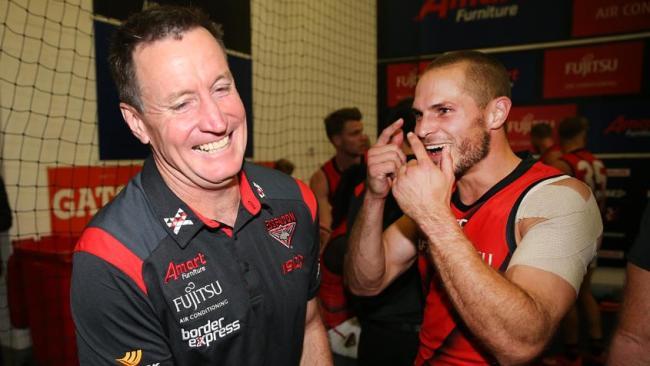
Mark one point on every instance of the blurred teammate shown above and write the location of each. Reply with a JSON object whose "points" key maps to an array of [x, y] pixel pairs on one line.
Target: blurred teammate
{"points": [[578, 162], [344, 129], [541, 138]]}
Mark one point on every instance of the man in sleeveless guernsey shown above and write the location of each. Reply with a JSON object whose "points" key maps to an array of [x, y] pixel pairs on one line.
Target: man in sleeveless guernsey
{"points": [[508, 241], [344, 129], [201, 259], [541, 139], [580, 163]]}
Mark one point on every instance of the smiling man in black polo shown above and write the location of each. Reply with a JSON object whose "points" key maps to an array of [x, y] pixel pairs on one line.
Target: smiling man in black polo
{"points": [[201, 259]]}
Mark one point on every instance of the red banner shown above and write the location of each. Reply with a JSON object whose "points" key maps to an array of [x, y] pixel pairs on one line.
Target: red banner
{"points": [[401, 80], [77, 193], [521, 119], [594, 17], [599, 70]]}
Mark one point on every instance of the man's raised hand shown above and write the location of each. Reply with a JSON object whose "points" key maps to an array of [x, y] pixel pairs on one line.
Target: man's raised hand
{"points": [[384, 160]]}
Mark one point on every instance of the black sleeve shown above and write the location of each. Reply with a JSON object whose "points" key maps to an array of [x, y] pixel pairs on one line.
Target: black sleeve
{"points": [[639, 254], [114, 319], [314, 260]]}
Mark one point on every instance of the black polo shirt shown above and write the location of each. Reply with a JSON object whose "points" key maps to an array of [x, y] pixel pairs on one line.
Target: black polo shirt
{"points": [[154, 283]]}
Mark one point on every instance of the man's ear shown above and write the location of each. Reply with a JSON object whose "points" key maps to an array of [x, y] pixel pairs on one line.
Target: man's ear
{"points": [[497, 112], [135, 122], [336, 140]]}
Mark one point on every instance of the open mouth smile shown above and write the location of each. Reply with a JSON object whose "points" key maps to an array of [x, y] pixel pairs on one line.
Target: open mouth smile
{"points": [[214, 146]]}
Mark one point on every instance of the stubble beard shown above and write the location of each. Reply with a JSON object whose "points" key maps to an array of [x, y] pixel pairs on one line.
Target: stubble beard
{"points": [[472, 149]]}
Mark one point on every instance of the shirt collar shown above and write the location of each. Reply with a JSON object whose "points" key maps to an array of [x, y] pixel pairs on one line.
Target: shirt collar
{"points": [[180, 221]]}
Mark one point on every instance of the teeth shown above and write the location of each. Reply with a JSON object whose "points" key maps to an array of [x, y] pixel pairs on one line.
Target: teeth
{"points": [[213, 146], [435, 147]]}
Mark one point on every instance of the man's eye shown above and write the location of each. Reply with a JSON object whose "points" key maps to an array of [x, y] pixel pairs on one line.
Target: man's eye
{"points": [[444, 110], [222, 89], [180, 106]]}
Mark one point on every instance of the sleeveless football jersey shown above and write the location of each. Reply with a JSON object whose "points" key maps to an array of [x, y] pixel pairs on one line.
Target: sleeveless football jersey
{"points": [[489, 224]]}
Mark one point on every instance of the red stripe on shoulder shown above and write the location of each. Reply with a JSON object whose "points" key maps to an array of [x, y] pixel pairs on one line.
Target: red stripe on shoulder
{"points": [[103, 245], [309, 198]]}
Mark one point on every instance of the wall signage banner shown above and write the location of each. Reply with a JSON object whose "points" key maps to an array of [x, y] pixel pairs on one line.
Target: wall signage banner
{"points": [[596, 17], [522, 119], [618, 127], [77, 193], [598, 70], [411, 28], [524, 69], [627, 195], [401, 80]]}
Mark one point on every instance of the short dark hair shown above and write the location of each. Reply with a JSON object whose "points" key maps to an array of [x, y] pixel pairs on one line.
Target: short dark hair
{"points": [[571, 127], [485, 77], [541, 131], [145, 27], [335, 121]]}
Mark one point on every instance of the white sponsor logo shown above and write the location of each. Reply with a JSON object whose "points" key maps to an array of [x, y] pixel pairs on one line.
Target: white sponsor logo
{"points": [[208, 333], [195, 296], [589, 64]]}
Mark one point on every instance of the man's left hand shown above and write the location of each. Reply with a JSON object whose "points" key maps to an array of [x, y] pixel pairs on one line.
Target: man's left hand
{"points": [[422, 187]]}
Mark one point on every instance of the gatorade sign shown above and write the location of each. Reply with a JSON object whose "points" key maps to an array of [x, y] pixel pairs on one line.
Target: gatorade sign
{"points": [[77, 193]]}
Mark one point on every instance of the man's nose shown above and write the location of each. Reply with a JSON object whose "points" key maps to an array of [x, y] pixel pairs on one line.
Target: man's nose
{"points": [[426, 125], [212, 118]]}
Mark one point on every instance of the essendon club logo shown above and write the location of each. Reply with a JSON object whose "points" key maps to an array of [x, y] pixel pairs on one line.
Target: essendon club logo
{"points": [[281, 228]]}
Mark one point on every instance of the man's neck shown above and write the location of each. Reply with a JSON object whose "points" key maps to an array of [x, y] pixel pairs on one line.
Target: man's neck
{"points": [[344, 161], [219, 203], [486, 174]]}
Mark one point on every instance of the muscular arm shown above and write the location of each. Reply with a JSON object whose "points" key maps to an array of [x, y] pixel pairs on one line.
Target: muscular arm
{"points": [[318, 184], [315, 350], [631, 340], [513, 315], [373, 260]]}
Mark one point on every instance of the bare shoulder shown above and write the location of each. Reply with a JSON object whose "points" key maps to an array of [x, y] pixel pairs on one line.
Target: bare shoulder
{"points": [[318, 182]]}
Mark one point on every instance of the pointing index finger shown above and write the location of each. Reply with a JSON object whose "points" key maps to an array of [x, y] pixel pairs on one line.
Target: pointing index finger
{"points": [[418, 148], [386, 135]]}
